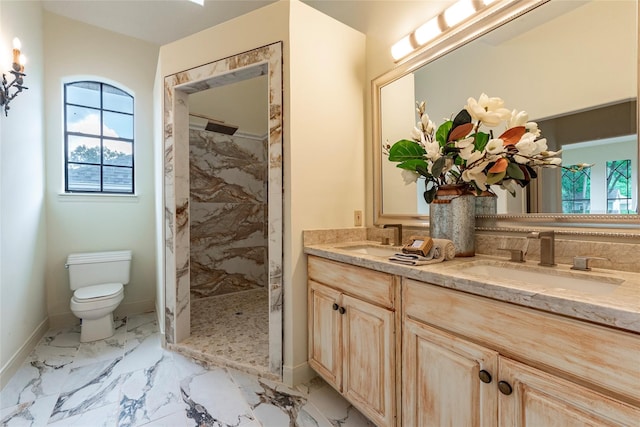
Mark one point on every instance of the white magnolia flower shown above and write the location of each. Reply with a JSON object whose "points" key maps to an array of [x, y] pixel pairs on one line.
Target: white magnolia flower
{"points": [[533, 128], [529, 147], [433, 150], [427, 125], [495, 146], [477, 175], [517, 119], [464, 143], [409, 177], [416, 134], [489, 111]]}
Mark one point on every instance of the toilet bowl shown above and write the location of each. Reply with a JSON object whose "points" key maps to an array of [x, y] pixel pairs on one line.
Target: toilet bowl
{"points": [[98, 280], [95, 305]]}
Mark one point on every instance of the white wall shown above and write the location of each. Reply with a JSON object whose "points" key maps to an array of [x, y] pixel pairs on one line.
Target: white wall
{"points": [[97, 223], [324, 160], [324, 83], [23, 310]]}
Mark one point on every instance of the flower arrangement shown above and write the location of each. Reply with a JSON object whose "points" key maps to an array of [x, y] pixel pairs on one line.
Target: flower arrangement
{"points": [[462, 151]]}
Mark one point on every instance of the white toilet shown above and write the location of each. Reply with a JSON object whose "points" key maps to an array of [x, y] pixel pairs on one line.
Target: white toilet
{"points": [[97, 279]]}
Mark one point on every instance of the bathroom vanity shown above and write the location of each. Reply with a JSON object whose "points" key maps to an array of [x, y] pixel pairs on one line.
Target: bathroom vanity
{"points": [[474, 342]]}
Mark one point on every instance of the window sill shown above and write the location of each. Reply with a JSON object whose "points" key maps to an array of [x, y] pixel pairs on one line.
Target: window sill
{"points": [[101, 198]]}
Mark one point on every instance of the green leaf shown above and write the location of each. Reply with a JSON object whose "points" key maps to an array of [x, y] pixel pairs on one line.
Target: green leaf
{"points": [[514, 171], [430, 194], [442, 133], [438, 165], [494, 178], [481, 140], [406, 150], [423, 170], [412, 164]]}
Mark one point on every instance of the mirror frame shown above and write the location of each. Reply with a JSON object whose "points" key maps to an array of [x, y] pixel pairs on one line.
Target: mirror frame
{"points": [[493, 16]]}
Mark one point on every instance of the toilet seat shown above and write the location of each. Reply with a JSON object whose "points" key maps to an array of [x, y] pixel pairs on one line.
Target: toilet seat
{"points": [[99, 292]]}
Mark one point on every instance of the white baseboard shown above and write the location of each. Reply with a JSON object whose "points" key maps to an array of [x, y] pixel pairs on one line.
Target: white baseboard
{"points": [[292, 376], [12, 366], [160, 317]]}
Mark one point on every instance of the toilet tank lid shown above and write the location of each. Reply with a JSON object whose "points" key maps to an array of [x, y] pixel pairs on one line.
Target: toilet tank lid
{"points": [[93, 257]]}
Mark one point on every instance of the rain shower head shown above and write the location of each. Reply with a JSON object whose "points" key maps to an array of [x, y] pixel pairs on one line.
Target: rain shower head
{"points": [[214, 125]]}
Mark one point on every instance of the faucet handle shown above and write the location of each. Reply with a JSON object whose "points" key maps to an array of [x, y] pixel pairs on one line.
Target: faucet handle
{"points": [[582, 262], [517, 255]]}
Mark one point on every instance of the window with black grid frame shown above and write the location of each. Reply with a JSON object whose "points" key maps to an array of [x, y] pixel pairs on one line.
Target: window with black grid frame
{"points": [[99, 138]]}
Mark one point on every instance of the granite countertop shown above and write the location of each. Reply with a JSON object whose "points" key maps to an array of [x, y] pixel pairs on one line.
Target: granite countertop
{"points": [[616, 304]]}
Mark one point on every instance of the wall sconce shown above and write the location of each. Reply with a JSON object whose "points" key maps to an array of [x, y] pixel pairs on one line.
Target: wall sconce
{"points": [[452, 16], [18, 73]]}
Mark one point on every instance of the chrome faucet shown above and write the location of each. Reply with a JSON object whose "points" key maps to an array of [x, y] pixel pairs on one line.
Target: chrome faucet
{"points": [[399, 236], [547, 247]]}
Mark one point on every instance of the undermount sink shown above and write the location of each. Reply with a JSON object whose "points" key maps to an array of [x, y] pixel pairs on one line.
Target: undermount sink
{"points": [[543, 277], [380, 251]]}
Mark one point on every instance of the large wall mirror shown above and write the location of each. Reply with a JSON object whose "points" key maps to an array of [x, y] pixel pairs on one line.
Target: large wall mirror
{"points": [[572, 65]]}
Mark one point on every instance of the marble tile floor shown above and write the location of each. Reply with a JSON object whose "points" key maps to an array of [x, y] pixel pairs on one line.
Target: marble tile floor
{"points": [[130, 380], [230, 330]]}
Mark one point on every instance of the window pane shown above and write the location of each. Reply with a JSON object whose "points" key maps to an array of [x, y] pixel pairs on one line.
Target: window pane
{"points": [[83, 177], [83, 120], [118, 153], [117, 100], [117, 179], [83, 149], [118, 125], [84, 93]]}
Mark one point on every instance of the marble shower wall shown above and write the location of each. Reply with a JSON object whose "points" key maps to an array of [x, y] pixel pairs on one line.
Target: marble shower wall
{"points": [[228, 202]]}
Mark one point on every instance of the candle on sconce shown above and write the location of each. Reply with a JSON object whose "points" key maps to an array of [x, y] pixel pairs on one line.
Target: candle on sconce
{"points": [[16, 50], [22, 60]]}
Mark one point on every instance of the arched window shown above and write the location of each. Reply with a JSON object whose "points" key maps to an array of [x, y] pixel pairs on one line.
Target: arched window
{"points": [[98, 138]]}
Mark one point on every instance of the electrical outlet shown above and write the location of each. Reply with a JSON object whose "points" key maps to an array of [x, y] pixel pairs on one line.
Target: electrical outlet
{"points": [[357, 218]]}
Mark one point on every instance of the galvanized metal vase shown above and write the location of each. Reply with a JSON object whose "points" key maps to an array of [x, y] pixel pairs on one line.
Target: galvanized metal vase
{"points": [[452, 216], [486, 203]]}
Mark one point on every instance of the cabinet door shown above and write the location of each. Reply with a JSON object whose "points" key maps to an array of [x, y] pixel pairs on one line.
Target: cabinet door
{"points": [[325, 330], [541, 399], [369, 359], [441, 380]]}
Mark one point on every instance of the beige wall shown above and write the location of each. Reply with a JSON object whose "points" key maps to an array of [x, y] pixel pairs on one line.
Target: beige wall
{"points": [[77, 223], [324, 81], [23, 310]]}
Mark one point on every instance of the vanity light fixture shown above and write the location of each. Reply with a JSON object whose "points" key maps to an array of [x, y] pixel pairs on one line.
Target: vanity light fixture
{"points": [[452, 16], [17, 69]]}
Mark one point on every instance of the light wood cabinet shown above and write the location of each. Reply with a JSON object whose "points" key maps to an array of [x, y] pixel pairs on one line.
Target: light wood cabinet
{"points": [[352, 335], [452, 342], [541, 399], [441, 383]]}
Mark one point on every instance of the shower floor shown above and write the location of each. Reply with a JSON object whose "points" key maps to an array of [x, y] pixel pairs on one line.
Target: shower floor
{"points": [[231, 330]]}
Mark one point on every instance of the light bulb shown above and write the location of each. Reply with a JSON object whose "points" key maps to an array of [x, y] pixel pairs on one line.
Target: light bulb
{"points": [[458, 12], [402, 48], [17, 44], [427, 31]]}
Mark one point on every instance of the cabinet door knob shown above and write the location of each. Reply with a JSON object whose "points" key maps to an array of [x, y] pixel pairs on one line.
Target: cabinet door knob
{"points": [[504, 388], [342, 310], [334, 306], [485, 376]]}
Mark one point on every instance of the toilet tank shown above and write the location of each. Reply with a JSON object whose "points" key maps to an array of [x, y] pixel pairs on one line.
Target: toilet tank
{"points": [[93, 268]]}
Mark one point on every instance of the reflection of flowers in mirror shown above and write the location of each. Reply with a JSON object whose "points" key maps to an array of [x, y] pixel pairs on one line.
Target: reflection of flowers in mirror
{"points": [[465, 151]]}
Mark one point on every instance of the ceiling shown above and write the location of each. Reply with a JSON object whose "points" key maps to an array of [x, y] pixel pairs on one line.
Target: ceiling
{"points": [[164, 21]]}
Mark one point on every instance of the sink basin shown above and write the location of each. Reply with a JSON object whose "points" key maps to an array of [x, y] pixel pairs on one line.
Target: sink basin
{"points": [[543, 277], [380, 251]]}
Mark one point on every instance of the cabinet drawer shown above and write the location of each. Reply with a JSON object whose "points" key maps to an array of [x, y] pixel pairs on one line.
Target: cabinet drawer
{"points": [[369, 285], [606, 358]]}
